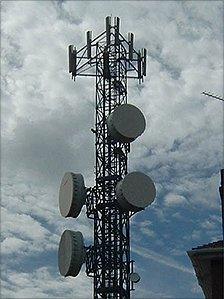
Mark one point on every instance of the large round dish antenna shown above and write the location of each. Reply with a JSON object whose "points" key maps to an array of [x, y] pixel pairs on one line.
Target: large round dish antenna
{"points": [[126, 123], [71, 253], [135, 192], [72, 194]]}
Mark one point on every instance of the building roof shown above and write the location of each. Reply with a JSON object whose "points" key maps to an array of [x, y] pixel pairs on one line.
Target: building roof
{"points": [[217, 244], [201, 258]]}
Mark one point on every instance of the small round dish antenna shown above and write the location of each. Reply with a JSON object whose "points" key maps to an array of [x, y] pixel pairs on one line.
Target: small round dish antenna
{"points": [[126, 123], [134, 277], [135, 192], [72, 194], [71, 253]]}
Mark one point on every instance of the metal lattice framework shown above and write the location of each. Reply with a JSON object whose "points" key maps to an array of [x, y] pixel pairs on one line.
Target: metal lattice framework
{"points": [[111, 59]]}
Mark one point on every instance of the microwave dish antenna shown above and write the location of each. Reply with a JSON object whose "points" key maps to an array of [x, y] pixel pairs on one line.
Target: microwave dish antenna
{"points": [[126, 123], [135, 192], [72, 194], [71, 253]]}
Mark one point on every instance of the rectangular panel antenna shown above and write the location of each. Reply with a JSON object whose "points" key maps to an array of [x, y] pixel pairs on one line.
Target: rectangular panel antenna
{"points": [[139, 65], [106, 68], [89, 40], [144, 54], [108, 26], [130, 42], [72, 59], [117, 26]]}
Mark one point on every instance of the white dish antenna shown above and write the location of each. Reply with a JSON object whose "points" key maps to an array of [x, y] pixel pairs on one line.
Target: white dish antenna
{"points": [[135, 192], [71, 253], [72, 194], [126, 123]]}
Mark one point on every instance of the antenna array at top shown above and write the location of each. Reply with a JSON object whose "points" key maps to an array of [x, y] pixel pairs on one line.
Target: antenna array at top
{"points": [[82, 62]]}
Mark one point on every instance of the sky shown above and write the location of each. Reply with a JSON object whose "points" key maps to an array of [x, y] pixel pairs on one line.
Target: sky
{"points": [[45, 132]]}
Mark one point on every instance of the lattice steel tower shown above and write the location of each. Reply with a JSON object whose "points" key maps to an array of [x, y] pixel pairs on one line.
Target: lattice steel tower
{"points": [[117, 195]]}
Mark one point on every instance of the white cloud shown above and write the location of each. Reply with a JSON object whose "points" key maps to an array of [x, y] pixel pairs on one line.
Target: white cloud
{"points": [[174, 200], [177, 252], [208, 225], [195, 235], [23, 225], [42, 282], [164, 260], [145, 228], [12, 245], [22, 235]]}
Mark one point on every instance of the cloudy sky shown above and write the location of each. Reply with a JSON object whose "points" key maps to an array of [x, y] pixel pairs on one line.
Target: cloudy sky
{"points": [[46, 122]]}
